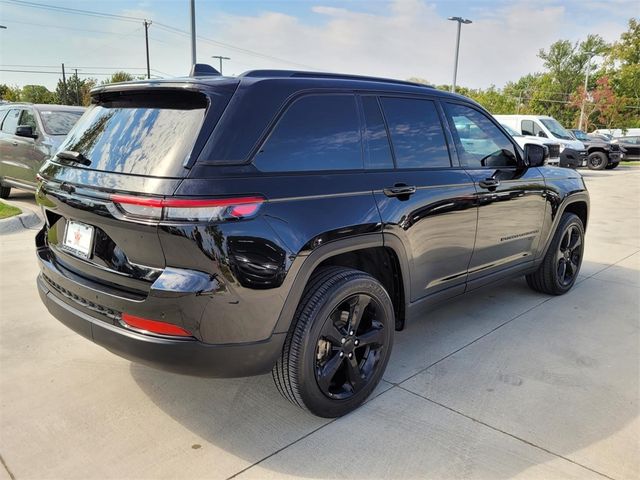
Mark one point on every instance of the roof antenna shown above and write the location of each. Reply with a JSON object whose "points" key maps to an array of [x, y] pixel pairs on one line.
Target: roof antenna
{"points": [[202, 69]]}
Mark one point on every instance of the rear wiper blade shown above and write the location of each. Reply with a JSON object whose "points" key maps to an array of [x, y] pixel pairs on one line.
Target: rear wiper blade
{"points": [[74, 157]]}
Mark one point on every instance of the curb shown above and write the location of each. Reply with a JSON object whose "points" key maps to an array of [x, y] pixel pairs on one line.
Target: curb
{"points": [[26, 220]]}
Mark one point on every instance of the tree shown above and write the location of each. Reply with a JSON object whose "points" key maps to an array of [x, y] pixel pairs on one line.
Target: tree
{"points": [[603, 108], [10, 94], [119, 77], [37, 94], [76, 91]]}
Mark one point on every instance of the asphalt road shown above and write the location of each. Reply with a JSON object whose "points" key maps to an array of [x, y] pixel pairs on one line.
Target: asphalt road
{"points": [[503, 383]]}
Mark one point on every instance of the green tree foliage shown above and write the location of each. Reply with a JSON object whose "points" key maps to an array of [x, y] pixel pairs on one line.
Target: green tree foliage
{"points": [[9, 93], [76, 91], [37, 94], [119, 77]]}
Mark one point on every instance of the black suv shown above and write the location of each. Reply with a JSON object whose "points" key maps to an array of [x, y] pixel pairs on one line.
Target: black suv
{"points": [[290, 222], [602, 154]]}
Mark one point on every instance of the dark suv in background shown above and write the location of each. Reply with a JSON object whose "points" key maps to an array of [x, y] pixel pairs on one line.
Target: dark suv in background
{"points": [[29, 135], [602, 154], [290, 222]]}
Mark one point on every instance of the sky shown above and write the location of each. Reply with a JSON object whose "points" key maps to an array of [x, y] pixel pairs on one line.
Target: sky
{"points": [[395, 39]]}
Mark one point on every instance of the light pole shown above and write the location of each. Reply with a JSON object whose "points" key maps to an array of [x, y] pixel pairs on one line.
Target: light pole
{"points": [[221, 58], [460, 21], [192, 10], [586, 82]]}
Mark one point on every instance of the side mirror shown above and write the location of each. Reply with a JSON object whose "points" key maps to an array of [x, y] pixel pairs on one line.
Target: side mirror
{"points": [[535, 155], [25, 131]]}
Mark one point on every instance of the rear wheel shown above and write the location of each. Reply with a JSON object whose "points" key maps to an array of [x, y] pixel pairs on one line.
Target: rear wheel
{"points": [[559, 269], [597, 161], [338, 349], [5, 191]]}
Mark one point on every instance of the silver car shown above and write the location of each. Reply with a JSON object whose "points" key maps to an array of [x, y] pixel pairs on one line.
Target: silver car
{"points": [[29, 135]]}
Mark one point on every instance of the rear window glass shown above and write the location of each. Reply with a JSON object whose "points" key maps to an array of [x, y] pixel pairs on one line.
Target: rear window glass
{"points": [[149, 134], [318, 132], [59, 122]]}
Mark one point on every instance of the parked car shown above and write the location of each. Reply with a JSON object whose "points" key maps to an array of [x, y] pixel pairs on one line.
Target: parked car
{"points": [[601, 153], [572, 152], [522, 140], [30, 134], [295, 232], [618, 132], [630, 147]]}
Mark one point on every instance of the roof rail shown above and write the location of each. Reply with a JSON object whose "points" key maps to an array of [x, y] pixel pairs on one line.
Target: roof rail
{"points": [[337, 76]]}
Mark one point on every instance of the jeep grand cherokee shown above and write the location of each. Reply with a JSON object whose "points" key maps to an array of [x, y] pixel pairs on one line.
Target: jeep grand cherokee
{"points": [[291, 222]]}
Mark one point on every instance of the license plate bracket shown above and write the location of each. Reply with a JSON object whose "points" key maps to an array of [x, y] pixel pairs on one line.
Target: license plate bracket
{"points": [[78, 238]]}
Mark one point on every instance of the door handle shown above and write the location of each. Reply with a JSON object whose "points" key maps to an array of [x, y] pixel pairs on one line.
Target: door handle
{"points": [[489, 183], [399, 190]]}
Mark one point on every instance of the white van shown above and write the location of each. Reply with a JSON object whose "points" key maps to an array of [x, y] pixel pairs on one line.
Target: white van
{"points": [[572, 152], [522, 140]]}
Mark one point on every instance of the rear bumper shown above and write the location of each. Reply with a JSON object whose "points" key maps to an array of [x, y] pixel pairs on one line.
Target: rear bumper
{"points": [[190, 357]]}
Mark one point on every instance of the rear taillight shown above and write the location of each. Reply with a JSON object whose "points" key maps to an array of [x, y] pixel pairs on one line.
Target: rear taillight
{"points": [[154, 326], [188, 209]]}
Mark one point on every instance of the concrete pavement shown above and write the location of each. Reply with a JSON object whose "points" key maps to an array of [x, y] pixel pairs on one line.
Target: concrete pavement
{"points": [[504, 383]]}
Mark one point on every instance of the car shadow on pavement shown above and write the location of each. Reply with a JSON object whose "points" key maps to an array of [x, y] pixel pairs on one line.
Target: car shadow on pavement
{"points": [[247, 417]]}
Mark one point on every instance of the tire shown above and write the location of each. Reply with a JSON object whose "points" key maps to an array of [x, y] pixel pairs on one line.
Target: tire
{"points": [[611, 166], [567, 247], [325, 367], [5, 191], [597, 161]]}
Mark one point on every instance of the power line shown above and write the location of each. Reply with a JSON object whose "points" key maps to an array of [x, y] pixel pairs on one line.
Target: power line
{"points": [[165, 26], [58, 72], [74, 66]]}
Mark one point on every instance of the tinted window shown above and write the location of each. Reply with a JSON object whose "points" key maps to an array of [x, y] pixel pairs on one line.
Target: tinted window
{"points": [[10, 122], [378, 149], [416, 133], [150, 134], [479, 141], [3, 113], [318, 132], [27, 118], [59, 122], [529, 127]]}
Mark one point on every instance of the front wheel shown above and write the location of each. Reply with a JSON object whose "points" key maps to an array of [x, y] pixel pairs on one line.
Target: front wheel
{"points": [[597, 161], [338, 348], [561, 264]]}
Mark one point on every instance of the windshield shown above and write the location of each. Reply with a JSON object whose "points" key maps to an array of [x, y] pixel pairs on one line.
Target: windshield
{"points": [[511, 131], [59, 122], [556, 129], [580, 135], [142, 134]]}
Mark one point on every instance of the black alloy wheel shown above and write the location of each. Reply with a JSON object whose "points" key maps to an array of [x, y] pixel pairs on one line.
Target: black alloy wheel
{"points": [[569, 255], [339, 344], [349, 349]]}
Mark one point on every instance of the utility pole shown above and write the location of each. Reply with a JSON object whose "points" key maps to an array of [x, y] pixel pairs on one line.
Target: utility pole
{"points": [[221, 58], [586, 82], [146, 42], [193, 32], [77, 88], [460, 21], [64, 85]]}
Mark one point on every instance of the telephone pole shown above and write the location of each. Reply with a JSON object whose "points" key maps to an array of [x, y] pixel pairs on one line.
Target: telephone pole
{"points": [[77, 88], [221, 58], [64, 86], [146, 42], [586, 86], [460, 21]]}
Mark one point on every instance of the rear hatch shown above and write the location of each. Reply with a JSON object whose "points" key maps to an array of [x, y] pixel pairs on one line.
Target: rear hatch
{"points": [[135, 139]]}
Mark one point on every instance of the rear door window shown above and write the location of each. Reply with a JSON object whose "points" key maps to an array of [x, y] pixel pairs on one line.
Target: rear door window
{"points": [[317, 132], [416, 133], [27, 118], [58, 122], [142, 134]]}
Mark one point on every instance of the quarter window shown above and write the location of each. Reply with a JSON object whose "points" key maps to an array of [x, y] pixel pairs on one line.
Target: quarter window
{"points": [[10, 123], [416, 133], [318, 132], [479, 141], [378, 149]]}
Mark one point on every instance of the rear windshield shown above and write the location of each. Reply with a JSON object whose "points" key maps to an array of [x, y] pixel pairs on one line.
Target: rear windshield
{"points": [[141, 134], [57, 122]]}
